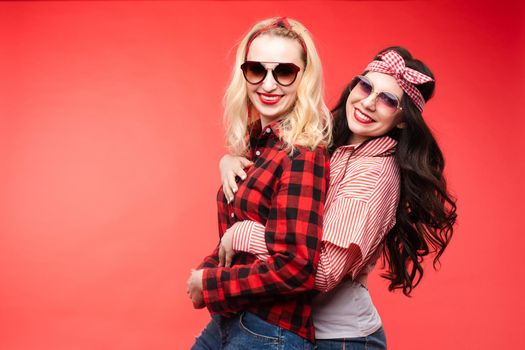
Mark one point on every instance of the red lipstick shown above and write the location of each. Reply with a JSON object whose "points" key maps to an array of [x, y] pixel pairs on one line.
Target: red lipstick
{"points": [[362, 119], [269, 99]]}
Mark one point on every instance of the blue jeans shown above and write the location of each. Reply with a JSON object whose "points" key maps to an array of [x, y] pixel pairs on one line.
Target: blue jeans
{"points": [[247, 331], [375, 341]]}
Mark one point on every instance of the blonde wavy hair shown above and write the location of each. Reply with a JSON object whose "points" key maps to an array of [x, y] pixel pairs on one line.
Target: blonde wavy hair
{"points": [[308, 124]]}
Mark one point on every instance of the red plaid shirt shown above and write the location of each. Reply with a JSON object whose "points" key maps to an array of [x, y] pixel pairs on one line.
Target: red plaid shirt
{"points": [[285, 192]]}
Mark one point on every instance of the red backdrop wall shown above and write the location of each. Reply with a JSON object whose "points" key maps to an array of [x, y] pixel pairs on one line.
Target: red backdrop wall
{"points": [[110, 133]]}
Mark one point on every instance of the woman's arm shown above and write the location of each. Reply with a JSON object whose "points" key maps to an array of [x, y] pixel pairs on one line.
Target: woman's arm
{"points": [[354, 226], [293, 230]]}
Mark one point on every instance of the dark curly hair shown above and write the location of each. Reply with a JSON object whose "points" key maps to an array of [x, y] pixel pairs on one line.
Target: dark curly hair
{"points": [[426, 212]]}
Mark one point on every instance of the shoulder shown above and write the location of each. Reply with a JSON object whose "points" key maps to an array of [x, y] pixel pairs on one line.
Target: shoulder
{"points": [[371, 167], [301, 155], [302, 152], [366, 175], [306, 164]]}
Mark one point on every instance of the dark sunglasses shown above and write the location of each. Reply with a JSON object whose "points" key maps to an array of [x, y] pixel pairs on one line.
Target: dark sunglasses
{"points": [[284, 73], [386, 101]]}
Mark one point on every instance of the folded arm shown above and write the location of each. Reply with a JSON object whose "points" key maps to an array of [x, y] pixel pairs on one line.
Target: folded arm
{"points": [[292, 233], [354, 227]]}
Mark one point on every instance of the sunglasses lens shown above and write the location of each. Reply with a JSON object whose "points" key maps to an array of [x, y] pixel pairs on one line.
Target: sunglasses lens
{"points": [[285, 73], [388, 102], [254, 72], [363, 87]]}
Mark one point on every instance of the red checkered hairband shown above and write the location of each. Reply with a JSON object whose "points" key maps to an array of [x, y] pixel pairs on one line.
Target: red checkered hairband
{"points": [[281, 22], [393, 64]]}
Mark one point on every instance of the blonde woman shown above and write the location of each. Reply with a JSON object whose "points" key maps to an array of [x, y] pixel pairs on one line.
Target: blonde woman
{"points": [[275, 117]]}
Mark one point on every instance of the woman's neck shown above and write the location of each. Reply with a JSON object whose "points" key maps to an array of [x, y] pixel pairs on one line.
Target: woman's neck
{"points": [[356, 139]]}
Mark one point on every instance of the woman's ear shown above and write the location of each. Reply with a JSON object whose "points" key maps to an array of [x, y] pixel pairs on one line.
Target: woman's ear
{"points": [[401, 125]]}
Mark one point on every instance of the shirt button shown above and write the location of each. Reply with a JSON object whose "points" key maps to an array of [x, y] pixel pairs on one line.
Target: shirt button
{"points": [[268, 130], [233, 215], [257, 153]]}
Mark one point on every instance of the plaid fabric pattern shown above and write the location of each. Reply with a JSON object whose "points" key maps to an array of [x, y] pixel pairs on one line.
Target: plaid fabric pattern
{"points": [[285, 192], [393, 64], [360, 210]]}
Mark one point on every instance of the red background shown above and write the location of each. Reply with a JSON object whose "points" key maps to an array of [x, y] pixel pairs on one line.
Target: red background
{"points": [[110, 134]]}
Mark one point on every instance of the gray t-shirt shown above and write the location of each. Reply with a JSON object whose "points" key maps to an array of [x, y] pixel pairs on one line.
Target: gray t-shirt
{"points": [[346, 311]]}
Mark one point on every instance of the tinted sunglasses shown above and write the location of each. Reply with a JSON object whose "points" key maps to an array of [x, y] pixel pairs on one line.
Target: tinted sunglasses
{"points": [[284, 73], [386, 101]]}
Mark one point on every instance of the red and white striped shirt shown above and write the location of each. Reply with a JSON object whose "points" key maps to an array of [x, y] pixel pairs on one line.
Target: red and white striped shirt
{"points": [[360, 210]]}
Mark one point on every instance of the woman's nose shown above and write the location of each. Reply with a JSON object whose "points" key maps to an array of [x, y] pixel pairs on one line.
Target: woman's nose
{"points": [[369, 102], [269, 83]]}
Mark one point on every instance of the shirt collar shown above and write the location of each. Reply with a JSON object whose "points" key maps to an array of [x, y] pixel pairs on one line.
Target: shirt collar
{"points": [[380, 146], [256, 129]]}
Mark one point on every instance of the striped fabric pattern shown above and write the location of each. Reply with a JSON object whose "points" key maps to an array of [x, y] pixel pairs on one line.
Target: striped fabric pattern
{"points": [[359, 211]]}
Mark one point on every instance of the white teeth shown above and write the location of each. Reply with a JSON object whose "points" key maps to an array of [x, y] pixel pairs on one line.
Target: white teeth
{"points": [[269, 98], [362, 116]]}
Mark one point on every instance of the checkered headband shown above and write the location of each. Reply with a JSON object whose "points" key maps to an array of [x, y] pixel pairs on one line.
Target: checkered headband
{"points": [[393, 64], [281, 22]]}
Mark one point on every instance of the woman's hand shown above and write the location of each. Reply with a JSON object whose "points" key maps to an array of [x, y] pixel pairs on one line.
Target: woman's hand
{"points": [[195, 288], [226, 252], [230, 167]]}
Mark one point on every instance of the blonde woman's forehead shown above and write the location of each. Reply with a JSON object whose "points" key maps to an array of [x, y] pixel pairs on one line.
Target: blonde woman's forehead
{"points": [[270, 48]]}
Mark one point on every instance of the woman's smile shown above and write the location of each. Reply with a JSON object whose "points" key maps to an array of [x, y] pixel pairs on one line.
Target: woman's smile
{"points": [[362, 117], [269, 99]]}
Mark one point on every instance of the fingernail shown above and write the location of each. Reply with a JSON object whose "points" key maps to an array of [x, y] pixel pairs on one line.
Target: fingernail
{"points": [[243, 177]]}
